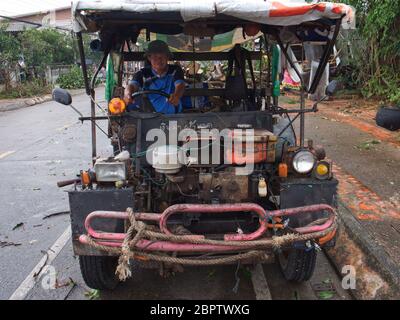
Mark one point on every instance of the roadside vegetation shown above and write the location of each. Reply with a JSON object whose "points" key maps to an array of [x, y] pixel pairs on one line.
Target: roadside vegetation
{"points": [[36, 87], [26, 56], [373, 58]]}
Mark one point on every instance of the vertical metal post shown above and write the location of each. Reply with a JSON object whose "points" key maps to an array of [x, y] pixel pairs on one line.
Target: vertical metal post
{"points": [[302, 116], [93, 105], [83, 62], [90, 92], [269, 85], [302, 107], [93, 116], [138, 145]]}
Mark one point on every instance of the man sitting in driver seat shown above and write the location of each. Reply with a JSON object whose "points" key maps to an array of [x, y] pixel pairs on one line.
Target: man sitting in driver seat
{"points": [[159, 76]]}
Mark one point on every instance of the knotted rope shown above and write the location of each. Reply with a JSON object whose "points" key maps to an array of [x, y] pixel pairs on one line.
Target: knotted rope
{"points": [[138, 230]]}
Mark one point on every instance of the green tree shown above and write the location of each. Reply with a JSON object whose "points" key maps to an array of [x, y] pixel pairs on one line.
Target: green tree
{"points": [[43, 47], [376, 44], [9, 53]]}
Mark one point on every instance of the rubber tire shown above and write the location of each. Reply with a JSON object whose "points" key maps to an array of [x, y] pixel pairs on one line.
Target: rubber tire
{"points": [[388, 118], [299, 264], [99, 272]]}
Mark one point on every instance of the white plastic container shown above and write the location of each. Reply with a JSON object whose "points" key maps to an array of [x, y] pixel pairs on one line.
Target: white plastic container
{"points": [[166, 159]]}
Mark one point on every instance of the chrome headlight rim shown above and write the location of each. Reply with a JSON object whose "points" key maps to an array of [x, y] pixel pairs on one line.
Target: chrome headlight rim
{"points": [[109, 171], [303, 161]]}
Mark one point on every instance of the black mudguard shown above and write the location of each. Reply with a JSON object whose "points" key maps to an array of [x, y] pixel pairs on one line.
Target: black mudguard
{"points": [[308, 191], [83, 202]]}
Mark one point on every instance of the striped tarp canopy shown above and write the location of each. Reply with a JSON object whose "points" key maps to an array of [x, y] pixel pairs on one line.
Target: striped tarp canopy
{"points": [[87, 14]]}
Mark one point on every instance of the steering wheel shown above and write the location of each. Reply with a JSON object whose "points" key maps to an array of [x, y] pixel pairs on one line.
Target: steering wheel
{"points": [[146, 92], [140, 93]]}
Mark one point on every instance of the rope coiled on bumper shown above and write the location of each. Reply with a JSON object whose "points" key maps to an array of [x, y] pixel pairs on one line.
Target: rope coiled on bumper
{"points": [[138, 230]]}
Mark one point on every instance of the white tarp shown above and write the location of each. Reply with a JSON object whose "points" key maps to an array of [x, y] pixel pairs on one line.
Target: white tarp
{"points": [[272, 12]]}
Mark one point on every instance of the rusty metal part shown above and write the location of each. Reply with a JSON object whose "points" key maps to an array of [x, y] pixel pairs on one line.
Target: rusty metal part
{"points": [[231, 188], [256, 148], [65, 183], [319, 152], [128, 133]]}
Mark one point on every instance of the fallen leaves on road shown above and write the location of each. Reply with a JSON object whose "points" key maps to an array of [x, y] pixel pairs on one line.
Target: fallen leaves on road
{"points": [[43, 265], [61, 284], [324, 290], [73, 285], [4, 244], [367, 145], [93, 294], [325, 295], [18, 225], [55, 214]]}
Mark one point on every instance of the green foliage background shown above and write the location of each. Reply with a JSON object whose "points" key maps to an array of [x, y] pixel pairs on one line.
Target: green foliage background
{"points": [[74, 78], [375, 64], [43, 47], [8, 53], [40, 48]]}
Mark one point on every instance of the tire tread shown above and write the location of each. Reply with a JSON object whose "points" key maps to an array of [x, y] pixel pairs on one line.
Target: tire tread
{"points": [[97, 272]]}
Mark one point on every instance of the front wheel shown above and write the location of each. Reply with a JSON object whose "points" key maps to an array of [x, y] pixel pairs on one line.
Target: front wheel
{"points": [[99, 272], [297, 264]]}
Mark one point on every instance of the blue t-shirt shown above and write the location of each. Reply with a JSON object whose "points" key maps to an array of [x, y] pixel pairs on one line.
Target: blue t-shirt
{"points": [[148, 79]]}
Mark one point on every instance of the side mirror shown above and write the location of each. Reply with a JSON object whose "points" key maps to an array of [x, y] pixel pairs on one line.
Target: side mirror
{"points": [[332, 87], [62, 96]]}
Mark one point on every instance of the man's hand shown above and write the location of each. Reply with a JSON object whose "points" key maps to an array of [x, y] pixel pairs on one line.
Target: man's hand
{"points": [[174, 99], [178, 94], [128, 99], [129, 90]]}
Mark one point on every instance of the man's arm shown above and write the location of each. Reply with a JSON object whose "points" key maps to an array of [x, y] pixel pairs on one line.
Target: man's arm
{"points": [[129, 90], [179, 81], [133, 85], [178, 93]]}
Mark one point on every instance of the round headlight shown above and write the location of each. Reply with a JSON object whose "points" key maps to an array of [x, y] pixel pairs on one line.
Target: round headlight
{"points": [[303, 161]]}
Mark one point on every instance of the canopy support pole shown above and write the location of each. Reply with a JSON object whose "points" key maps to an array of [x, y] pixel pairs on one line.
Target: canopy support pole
{"points": [[321, 67], [90, 92]]}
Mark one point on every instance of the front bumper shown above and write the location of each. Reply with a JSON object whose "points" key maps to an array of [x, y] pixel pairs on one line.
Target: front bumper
{"points": [[319, 230]]}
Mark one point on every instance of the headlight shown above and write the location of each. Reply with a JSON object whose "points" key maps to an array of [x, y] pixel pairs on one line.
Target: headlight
{"points": [[303, 161], [117, 106], [323, 170], [109, 171]]}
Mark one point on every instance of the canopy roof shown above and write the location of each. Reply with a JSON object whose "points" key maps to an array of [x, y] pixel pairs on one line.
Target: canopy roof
{"points": [[93, 15]]}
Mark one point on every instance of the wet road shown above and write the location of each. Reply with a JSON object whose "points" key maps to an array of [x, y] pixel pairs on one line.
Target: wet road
{"points": [[44, 144], [40, 145]]}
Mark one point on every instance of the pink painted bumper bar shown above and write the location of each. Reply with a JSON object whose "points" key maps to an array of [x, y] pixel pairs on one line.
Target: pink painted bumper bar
{"points": [[115, 239]]}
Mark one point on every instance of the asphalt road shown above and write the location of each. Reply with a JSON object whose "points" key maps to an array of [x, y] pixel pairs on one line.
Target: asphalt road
{"points": [[40, 145], [44, 144]]}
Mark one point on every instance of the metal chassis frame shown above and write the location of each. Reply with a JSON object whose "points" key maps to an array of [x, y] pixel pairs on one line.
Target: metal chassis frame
{"points": [[301, 112]]}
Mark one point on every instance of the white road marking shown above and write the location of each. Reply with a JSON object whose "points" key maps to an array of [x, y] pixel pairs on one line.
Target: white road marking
{"points": [[29, 282], [5, 154], [260, 284]]}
